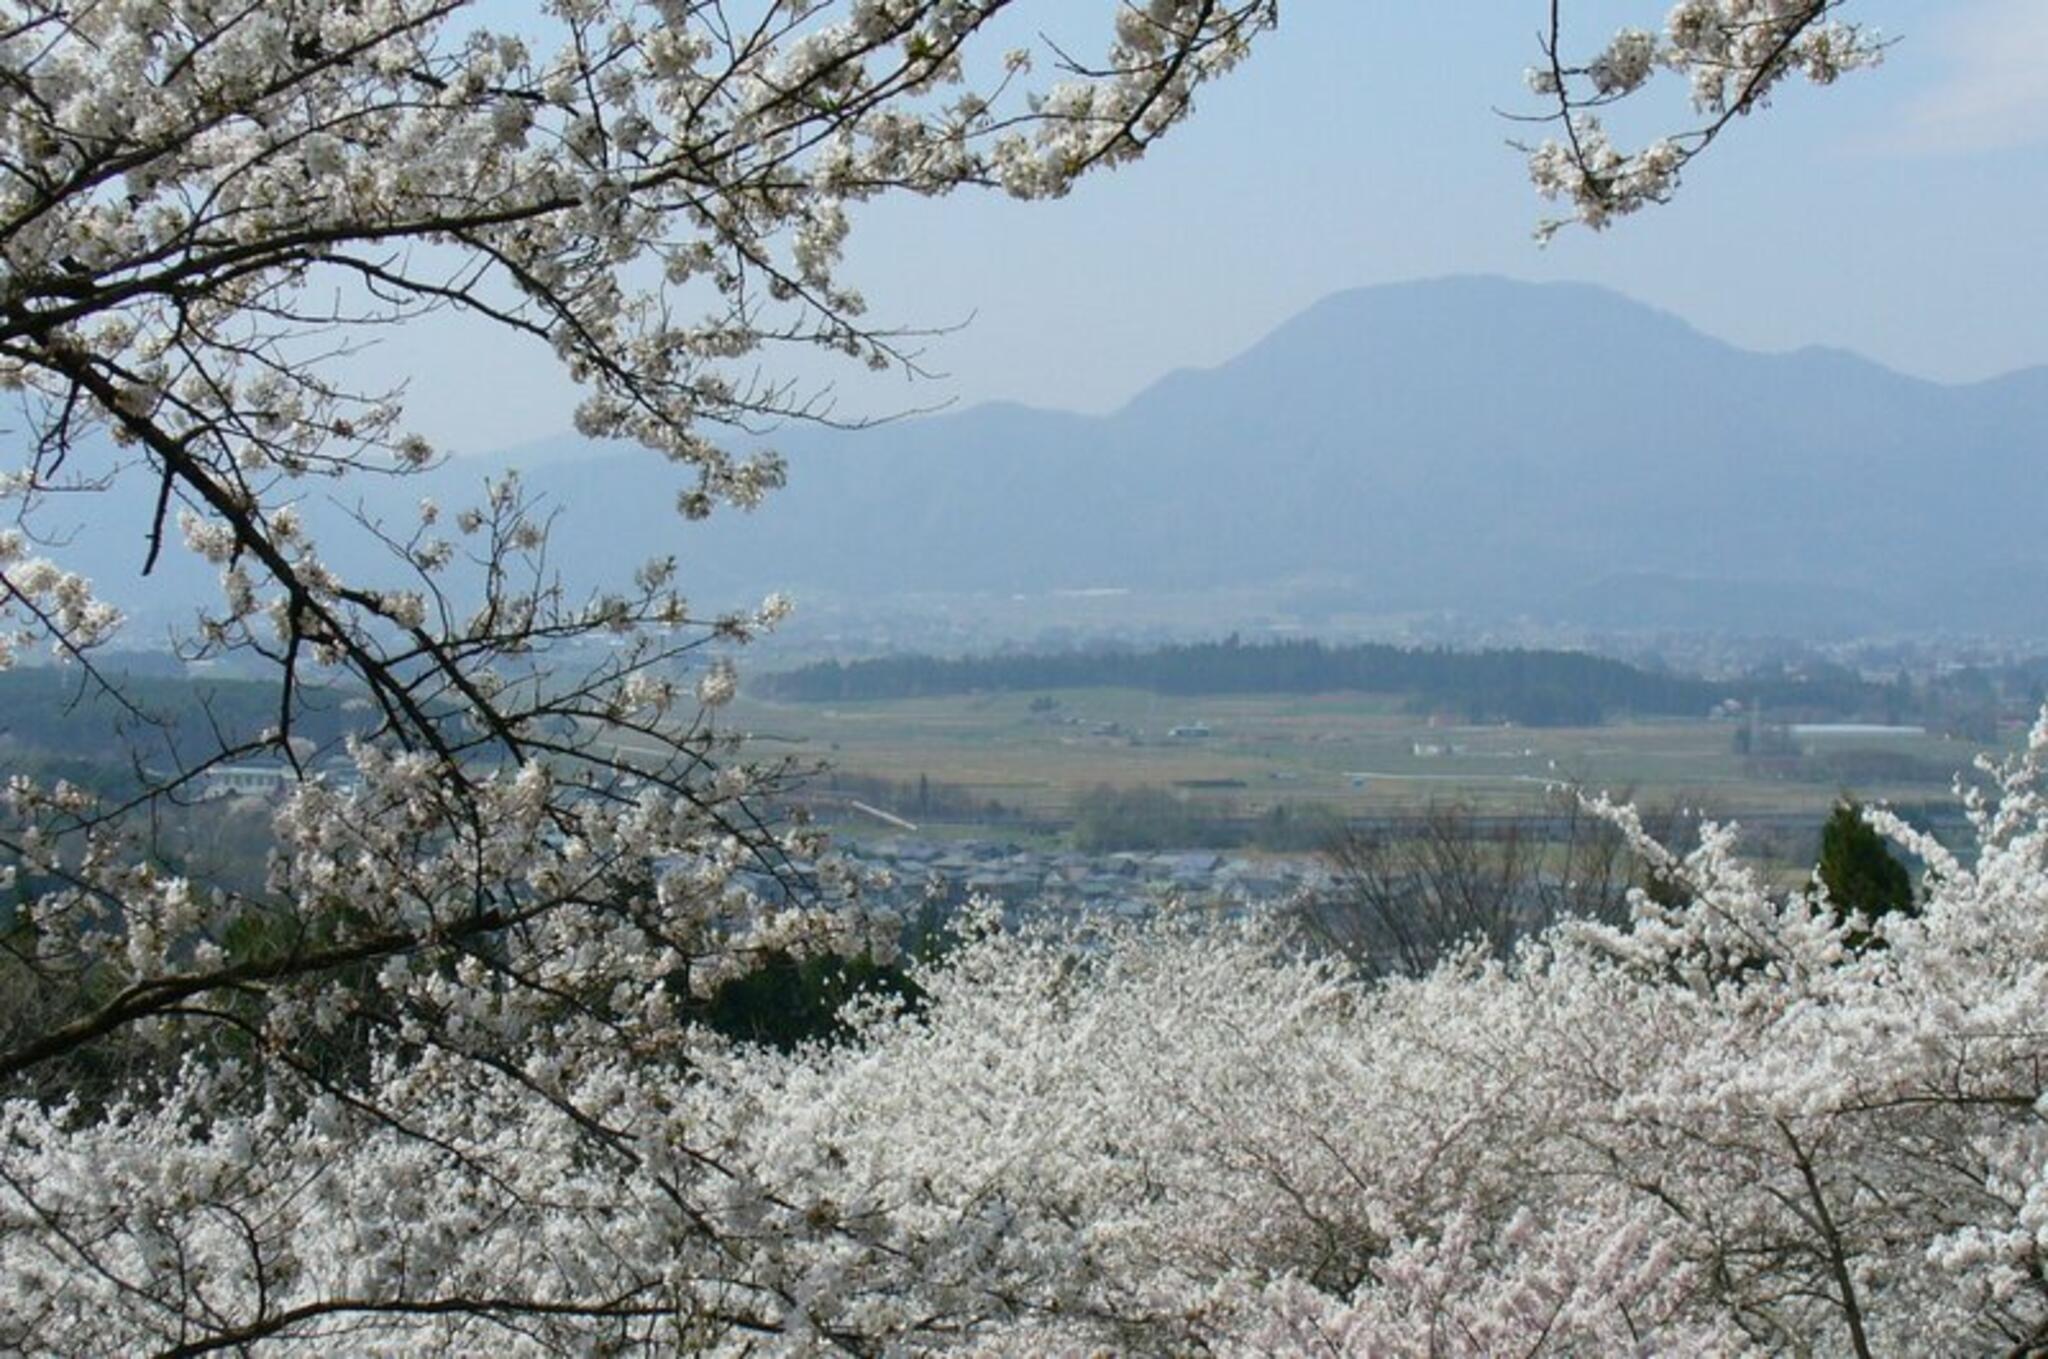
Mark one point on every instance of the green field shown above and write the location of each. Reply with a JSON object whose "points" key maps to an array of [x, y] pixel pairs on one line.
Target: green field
{"points": [[1355, 754]]}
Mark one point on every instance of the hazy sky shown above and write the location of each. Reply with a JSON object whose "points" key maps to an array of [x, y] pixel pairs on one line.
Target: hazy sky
{"points": [[1903, 214]]}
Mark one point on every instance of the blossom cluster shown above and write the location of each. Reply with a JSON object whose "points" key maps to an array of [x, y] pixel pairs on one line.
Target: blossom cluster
{"points": [[1738, 1124], [1733, 54], [40, 602]]}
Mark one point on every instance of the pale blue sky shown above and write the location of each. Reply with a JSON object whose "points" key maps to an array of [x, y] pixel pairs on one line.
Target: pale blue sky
{"points": [[1902, 214]]}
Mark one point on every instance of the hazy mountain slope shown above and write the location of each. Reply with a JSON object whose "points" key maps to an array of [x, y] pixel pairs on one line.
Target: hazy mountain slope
{"points": [[1473, 443], [1468, 442]]}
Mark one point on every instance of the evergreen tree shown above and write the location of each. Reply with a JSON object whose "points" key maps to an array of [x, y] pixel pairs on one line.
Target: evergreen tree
{"points": [[1858, 868]]}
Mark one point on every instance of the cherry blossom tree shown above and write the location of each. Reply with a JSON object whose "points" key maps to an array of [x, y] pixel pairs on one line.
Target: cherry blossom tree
{"points": [[208, 205], [1721, 1128], [529, 869], [434, 1085]]}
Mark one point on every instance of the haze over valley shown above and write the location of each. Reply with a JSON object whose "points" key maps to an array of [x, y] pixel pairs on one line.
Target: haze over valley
{"points": [[1470, 448]]}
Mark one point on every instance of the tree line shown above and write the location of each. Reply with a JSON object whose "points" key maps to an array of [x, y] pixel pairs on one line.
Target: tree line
{"points": [[1537, 688]]}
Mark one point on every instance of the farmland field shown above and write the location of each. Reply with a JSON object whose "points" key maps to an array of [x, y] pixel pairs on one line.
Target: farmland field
{"points": [[1353, 754]]}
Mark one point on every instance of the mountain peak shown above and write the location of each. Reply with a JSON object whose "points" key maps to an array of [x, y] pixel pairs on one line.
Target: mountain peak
{"points": [[1476, 443]]}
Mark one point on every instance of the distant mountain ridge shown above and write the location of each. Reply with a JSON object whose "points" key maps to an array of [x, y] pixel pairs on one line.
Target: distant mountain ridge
{"points": [[1554, 451]]}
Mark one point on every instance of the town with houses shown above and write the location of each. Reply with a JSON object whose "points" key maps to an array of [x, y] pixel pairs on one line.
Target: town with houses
{"points": [[911, 875]]}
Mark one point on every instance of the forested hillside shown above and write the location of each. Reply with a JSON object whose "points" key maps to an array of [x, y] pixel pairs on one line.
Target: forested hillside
{"points": [[55, 722]]}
